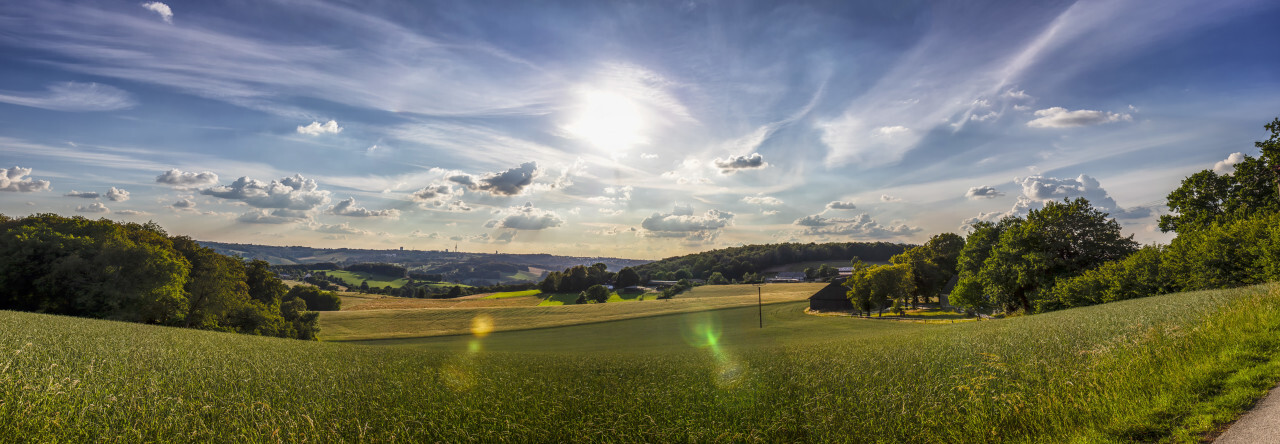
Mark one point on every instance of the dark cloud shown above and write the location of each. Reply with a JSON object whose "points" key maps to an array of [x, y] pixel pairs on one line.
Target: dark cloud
{"points": [[732, 164], [184, 204], [187, 179], [83, 194], [15, 180], [838, 205]]}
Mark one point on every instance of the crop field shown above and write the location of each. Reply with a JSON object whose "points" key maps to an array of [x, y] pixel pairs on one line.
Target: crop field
{"points": [[375, 280], [1167, 368], [409, 318]]}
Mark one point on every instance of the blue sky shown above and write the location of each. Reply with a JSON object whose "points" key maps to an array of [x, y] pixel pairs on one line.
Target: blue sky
{"points": [[630, 129]]}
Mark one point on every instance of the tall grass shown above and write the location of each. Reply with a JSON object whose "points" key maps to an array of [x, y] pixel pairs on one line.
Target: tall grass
{"points": [[1162, 368]]}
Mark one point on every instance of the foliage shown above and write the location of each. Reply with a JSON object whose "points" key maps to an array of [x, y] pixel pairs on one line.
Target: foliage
{"points": [[316, 299], [379, 268], [1061, 240], [736, 263], [596, 293], [137, 273], [1206, 197], [627, 277]]}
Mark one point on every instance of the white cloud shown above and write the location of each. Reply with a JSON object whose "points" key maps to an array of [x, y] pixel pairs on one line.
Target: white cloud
{"points": [[317, 128], [682, 223], [762, 200], [117, 195], [1227, 166], [862, 226], [648, 156], [1037, 190], [424, 235], [347, 207], [889, 199], [83, 194], [181, 179], [342, 228], [160, 8], [838, 205], [73, 96], [733, 164], [291, 193], [983, 192], [526, 217], [132, 213], [96, 207], [1059, 117], [265, 217], [689, 172], [15, 180]]}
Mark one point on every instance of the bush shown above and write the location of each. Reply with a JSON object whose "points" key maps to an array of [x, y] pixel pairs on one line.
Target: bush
{"points": [[316, 299]]}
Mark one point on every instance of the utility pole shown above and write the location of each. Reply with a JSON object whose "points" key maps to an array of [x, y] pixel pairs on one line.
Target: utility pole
{"points": [[760, 304]]}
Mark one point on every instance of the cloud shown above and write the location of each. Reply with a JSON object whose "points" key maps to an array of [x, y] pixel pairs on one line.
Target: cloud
{"points": [[889, 199], [292, 193], [73, 96], [526, 217], [132, 213], [1036, 190], [184, 204], [422, 235], [439, 197], [317, 128], [160, 8], [1059, 117], [838, 205], [181, 179], [348, 208], [762, 200], [648, 156], [83, 194], [506, 183], [983, 192], [342, 228], [689, 171], [861, 225], [96, 207], [1227, 166], [681, 222], [15, 180], [117, 195], [733, 164], [265, 217]]}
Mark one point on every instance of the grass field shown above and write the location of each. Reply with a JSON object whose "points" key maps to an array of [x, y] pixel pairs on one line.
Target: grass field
{"points": [[513, 294], [404, 321], [1166, 368]]}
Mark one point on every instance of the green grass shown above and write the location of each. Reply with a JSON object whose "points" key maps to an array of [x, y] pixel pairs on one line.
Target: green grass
{"points": [[513, 294], [1158, 369], [380, 281]]}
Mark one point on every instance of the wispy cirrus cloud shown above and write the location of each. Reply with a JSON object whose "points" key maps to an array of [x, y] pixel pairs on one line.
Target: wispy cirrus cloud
{"points": [[73, 96]]}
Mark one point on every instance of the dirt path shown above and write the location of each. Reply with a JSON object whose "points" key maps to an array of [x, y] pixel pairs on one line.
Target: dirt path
{"points": [[1259, 426]]}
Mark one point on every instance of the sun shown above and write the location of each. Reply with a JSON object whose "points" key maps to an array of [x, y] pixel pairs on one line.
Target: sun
{"points": [[608, 121]]}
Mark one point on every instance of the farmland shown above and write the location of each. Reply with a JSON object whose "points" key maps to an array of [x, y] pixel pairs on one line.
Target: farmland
{"points": [[1161, 368]]}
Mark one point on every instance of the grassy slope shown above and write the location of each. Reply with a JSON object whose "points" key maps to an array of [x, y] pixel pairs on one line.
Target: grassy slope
{"points": [[377, 324], [1151, 369]]}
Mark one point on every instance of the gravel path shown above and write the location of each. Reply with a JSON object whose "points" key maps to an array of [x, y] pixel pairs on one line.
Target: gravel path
{"points": [[1259, 426]]}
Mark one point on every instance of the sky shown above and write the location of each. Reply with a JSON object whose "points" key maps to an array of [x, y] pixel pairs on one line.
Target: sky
{"points": [[626, 129]]}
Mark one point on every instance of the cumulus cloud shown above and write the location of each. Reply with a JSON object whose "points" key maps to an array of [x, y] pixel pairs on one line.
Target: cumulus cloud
{"points": [[1059, 117], [290, 193], [15, 180], [165, 12], [117, 195], [762, 200], [1037, 190], [342, 228], [1227, 166], [838, 205], [424, 235], [682, 223], [506, 183], [83, 194], [73, 96], [96, 207], [182, 179], [347, 207], [862, 226], [317, 128], [983, 192], [265, 217], [184, 204], [526, 217], [889, 199], [733, 164]]}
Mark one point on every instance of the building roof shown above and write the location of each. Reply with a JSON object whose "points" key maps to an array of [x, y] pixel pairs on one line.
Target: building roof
{"points": [[835, 290]]}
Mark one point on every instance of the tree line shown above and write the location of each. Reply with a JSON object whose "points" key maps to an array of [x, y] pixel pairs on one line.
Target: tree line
{"points": [[138, 273], [747, 263], [1070, 254]]}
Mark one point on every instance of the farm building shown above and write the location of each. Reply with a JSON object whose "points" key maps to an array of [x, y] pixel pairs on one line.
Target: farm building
{"points": [[833, 297], [787, 277]]}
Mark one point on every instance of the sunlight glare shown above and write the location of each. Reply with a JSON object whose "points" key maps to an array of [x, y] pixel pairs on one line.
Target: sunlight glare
{"points": [[608, 121]]}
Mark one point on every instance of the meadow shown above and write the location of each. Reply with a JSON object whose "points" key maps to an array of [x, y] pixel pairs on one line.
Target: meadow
{"points": [[1163, 368]]}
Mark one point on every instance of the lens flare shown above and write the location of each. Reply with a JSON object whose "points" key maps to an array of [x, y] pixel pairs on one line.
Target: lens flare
{"points": [[481, 325], [704, 332]]}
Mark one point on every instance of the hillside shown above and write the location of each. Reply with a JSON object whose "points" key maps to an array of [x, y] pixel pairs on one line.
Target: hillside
{"points": [[735, 263], [1084, 374]]}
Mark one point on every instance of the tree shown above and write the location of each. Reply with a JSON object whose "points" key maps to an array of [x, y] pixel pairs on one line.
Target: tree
{"points": [[1063, 239], [551, 283], [317, 299], [926, 277], [454, 292], [596, 293], [683, 273], [717, 279], [627, 277], [364, 286], [1206, 197]]}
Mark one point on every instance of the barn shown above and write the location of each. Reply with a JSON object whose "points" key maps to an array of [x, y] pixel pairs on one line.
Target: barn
{"points": [[833, 297]]}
